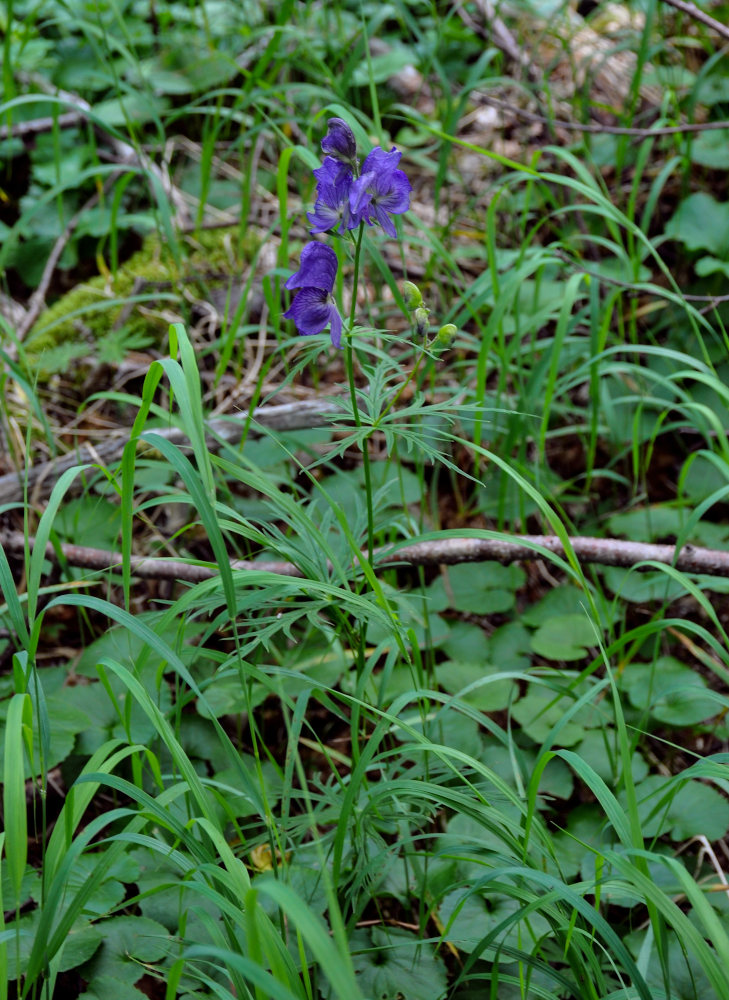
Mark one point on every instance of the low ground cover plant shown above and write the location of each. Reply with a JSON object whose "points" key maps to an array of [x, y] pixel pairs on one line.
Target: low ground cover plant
{"points": [[363, 501]]}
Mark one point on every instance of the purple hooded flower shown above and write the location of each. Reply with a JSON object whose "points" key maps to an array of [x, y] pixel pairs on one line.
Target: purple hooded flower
{"points": [[332, 210], [339, 142], [313, 308], [381, 189]]}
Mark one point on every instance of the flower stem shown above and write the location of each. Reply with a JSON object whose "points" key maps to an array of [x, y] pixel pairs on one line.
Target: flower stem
{"points": [[349, 356]]}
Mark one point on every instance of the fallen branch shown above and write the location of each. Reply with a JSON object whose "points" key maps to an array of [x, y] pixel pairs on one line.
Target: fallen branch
{"points": [[699, 15], [36, 126], [647, 132], [123, 152], [40, 479], [448, 551]]}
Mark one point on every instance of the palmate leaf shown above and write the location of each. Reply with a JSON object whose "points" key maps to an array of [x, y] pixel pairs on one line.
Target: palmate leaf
{"points": [[481, 588], [670, 690], [469, 916], [392, 964], [104, 987], [566, 637], [695, 809], [81, 942], [128, 944]]}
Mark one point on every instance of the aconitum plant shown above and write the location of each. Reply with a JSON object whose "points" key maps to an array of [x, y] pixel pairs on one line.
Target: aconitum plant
{"points": [[347, 198]]}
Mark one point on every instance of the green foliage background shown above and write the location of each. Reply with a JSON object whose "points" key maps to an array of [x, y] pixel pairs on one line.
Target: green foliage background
{"points": [[351, 779]]}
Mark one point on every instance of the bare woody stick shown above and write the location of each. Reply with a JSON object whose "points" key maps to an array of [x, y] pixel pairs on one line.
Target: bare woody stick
{"points": [[699, 15], [448, 551], [40, 479]]}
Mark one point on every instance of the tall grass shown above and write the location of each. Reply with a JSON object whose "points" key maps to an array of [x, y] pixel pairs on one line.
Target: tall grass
{"points": [[357, 782]]}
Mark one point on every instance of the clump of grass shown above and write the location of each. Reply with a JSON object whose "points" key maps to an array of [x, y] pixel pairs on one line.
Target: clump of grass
{"points": [[352, 781]]}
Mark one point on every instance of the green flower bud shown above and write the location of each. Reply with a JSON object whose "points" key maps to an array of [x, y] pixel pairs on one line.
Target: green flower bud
{"points": [[421, 319], [411, 294], [447, 333]]}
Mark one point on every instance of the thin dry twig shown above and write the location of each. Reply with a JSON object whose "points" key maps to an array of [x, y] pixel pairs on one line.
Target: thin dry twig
{"points": [[38, 298], [40, 479], [500, 35], [18, 130], [699, 15], [123, 152], [640, 133], [447, 551]]}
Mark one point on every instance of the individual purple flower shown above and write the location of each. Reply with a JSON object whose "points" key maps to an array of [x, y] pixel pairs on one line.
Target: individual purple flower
{"points": [[339, 142], [332, 209], [313, 308], [381, 191]]}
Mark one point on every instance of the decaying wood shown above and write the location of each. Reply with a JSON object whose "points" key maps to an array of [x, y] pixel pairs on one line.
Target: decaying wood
{"points": [[448, 551], [40, 479]]}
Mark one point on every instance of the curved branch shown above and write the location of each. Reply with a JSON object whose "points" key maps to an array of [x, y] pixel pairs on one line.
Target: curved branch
{"points": [[447, 551]]}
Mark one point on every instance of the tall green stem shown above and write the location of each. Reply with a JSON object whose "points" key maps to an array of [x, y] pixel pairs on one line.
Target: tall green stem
{"points": [[349, 355]]}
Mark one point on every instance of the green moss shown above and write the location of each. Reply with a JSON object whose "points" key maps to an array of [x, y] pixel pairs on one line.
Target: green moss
{"points": [[90, 310]]}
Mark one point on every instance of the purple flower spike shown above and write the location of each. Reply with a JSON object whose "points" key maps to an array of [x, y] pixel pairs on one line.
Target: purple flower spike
{"points": [[381, 191], [332, 211], [313, 308], [339, 141]]}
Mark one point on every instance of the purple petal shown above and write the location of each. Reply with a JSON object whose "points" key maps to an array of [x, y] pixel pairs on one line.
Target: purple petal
{"points": [[384, 220], [336, 330], [318, 268], [312, 312], [381, 191], [360, 194], [380, 161], [396, 198], [332, 205], [333, 177], [339, 141], [323, 219]]}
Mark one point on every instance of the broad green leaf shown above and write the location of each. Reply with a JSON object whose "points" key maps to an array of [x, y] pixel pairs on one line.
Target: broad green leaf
{"points": [[692, 810], [510, 647], [108, 987], [541, 709], [641, 587], [381, 67], [646, 524], [468, 916], [488, 696], [128, 943], [392, 964], [81, 942], [566, 637], [706, 266], [670, 690], [564, 600], [227, 696], [687, 978], [711, 149], [107, 895], [587, 831], [466, 642], [701, 223], [138, 107], [167, 896], [599, 751], [699, 809], [481, 588]]}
